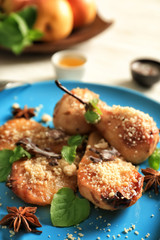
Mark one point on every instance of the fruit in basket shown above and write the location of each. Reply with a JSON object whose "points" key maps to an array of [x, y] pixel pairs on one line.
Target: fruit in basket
{"points": [[84, 12], [54, 18], [28, 21]]}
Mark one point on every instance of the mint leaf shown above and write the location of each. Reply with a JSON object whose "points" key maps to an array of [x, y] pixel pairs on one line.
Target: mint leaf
{"points": [[29, 15], [76, 140], [34, 34], [67, 209], [93, 112], [9, 33], [7, 157], [94, 103], [19, 153], [23, 28], [16, 30], [5, 165], [154, 159], [2, 16], [92, 117], [69, 153]]}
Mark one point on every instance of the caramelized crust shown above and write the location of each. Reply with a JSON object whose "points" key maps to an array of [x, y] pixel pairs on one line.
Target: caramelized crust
{"points": [[133, 133], [36, 181], [14, 130], [108, 184]]}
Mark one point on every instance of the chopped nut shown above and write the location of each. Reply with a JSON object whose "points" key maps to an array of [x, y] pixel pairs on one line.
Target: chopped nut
{"points": [[70, 170], [46, 118], [15, 106]]}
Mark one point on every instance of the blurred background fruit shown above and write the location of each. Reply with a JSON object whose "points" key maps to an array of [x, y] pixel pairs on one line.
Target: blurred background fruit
{"points": [[84, 12], [54, 17]]}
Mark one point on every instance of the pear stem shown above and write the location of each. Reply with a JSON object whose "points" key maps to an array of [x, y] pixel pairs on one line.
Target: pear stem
{"points": [[69, 92]]}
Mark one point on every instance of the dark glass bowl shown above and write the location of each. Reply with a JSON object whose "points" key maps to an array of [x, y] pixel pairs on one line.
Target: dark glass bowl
{"points": [[145, 72]]}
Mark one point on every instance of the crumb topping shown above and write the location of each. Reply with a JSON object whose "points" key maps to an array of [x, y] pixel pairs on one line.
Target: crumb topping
{"points": [[16, 129], [39, 170], [110, 176], [135, 127]]}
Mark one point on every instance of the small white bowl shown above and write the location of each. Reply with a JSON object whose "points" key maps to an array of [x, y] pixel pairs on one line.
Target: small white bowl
{"points": [[69, 65]]}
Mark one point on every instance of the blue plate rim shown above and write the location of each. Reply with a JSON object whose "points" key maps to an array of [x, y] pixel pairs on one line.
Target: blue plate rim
{"points": [[68, 82]]}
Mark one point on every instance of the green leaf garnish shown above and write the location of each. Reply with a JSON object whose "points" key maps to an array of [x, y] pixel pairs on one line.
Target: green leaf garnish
{"points": [[154, 159], [69, 152], [92, 117], [67, 209], [29, 14], [93, 112], [76, 140], [18, 153], [94, 103], [16, 29], [7, 157], [5, 165]]}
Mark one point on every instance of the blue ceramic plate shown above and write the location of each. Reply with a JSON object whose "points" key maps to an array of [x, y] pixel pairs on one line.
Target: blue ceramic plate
{"points": [[142, 220]]}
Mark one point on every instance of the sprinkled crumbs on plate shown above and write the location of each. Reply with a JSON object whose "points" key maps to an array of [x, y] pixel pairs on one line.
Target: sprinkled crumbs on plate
{"points": [[81, 234], [136, 232], [147, 235], [15, 105], [46, 118]]}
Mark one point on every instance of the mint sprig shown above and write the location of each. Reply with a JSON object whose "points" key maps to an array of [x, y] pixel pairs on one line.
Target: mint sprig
{"points": [[93, 113], [16, 31], [154, 159], [7, 157], [67, 209], [69, 152]]}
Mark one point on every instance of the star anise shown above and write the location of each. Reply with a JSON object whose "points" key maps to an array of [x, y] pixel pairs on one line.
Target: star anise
{"points": [[25, 112], [21, 217], [152, 179]]}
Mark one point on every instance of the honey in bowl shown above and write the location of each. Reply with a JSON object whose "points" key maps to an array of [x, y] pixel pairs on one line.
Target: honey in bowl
{"points": [[69, 65], [69, 61]]}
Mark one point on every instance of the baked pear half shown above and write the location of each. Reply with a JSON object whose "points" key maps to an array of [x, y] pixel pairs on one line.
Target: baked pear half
{"points": [[36, 180], [46, 138], [132, 132], [105, 179]]}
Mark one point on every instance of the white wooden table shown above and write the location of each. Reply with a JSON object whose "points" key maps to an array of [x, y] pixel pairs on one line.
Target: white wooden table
{"points": [[134, 34]]}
